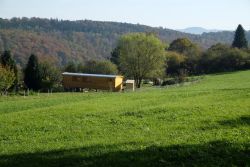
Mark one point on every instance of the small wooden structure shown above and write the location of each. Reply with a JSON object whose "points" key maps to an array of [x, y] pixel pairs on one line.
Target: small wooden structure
{"points": [[92, 81], [130, 85]]}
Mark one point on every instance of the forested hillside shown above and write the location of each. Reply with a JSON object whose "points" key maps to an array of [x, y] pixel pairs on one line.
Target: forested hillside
{"points": [[61, 41]]}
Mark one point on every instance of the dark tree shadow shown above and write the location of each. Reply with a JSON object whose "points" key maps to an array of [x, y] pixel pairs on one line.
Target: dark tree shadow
{"points": [[244, 120], [217, 153]]}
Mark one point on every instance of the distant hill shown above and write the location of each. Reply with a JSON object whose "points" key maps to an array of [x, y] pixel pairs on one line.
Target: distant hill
{"points": [[61, 41], [197, 30]]}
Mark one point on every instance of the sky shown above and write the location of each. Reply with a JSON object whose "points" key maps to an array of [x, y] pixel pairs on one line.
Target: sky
{"points": [[174, 14]]}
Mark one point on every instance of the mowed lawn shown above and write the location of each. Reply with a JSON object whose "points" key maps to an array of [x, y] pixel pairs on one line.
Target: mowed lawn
{"points": [[206, 123]]}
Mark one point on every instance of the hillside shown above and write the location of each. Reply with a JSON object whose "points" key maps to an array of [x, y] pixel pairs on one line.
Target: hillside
{"points": [[201, 124], [60, 41]]}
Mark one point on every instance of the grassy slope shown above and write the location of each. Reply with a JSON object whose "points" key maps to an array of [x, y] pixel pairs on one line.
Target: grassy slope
{"points": [[203, 124]]}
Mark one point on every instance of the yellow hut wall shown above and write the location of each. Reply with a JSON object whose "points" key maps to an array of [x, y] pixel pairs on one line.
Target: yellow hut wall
{"points": [[103, 83], [118, 83]]}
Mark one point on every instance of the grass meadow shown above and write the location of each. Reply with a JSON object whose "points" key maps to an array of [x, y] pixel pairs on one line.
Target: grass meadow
{"points": [[206, 123]]}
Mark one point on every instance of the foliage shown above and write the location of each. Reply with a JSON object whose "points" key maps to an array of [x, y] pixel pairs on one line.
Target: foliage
{"points": [[218, 58], [115, 55], [7, 61], [7, 78], [184, 46], [92, 67], [61, 41], [202, 124], [51, 76], [32, 74], [140, 55], [100, 67], [72, 67], [190, 50], [222, 58], [175, 63], [240, 40]]}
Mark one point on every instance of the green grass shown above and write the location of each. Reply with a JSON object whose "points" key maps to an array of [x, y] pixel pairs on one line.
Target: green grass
{"points": [[201, 124]]}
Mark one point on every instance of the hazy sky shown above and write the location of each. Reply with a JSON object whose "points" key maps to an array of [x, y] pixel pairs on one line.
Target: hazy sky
{"points": [[175, 14]]}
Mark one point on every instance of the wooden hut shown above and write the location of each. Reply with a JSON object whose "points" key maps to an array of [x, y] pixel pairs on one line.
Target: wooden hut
{"points": [[92, 81]]}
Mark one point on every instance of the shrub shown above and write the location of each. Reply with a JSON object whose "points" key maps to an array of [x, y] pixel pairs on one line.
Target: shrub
{"points": [[7, 78], [100, 67]]}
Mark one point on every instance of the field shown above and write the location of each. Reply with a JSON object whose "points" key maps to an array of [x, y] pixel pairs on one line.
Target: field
{"points": [[206, 123]]}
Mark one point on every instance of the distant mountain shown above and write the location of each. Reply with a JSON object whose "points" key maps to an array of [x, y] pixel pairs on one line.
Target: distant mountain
{"points": [[61, 41], [197, 30]]}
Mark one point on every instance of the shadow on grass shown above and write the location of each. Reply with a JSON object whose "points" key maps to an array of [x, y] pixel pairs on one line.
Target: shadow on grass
{"points": [[243, 120], [217, 153]]}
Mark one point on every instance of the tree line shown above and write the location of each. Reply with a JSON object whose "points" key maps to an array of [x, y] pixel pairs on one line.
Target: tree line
{"points": [[44, 76], [143, 56], [83, 39], [137, 55], [185, 56]]}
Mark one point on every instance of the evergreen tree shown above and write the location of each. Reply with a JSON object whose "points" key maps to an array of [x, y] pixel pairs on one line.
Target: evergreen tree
{"points": [[6, 59], [32, 74], [115, 55], [240, 38]]}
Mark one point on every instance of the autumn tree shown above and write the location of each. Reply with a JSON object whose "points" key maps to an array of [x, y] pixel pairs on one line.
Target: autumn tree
{"points": [[8, 62], [32, 74], [51, 76], [240, 40], [7, 78], [192, 52], [175, 63], [140, 55]]}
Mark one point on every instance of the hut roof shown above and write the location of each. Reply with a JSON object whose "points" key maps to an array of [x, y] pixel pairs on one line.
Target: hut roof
{"points": [[130, 81], [90, 75]]}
